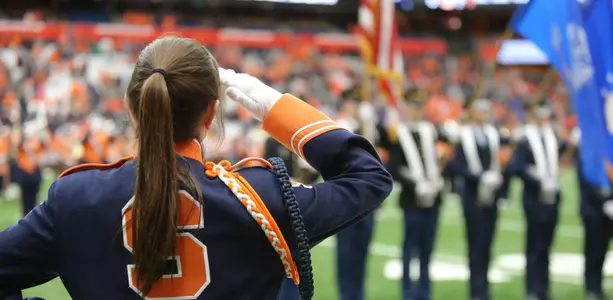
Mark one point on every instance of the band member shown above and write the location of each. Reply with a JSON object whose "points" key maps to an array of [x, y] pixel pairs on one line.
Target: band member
{"points": [[415, 163], [451, 132], [353, 242], [96, 142], [596, 211], [535, 162], [60, 153], [504, 156], [116, 148], [482, 185], [26, 170]]}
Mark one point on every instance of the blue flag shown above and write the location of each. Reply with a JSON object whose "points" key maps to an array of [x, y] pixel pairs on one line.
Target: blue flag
{"points": [[557, 28], [598, 24]]}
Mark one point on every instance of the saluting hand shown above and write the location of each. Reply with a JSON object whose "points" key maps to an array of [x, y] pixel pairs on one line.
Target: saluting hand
{"points": [[249, 92]]}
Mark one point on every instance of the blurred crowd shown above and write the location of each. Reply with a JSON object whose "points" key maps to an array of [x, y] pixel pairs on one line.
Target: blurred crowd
{"points": [[66, 90]]}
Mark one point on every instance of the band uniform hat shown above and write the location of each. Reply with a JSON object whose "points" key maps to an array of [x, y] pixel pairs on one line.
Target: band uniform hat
{"points": [[528, 106], [413, 96], [480, 104], [543, 109], [540, 108], [352, 94]]}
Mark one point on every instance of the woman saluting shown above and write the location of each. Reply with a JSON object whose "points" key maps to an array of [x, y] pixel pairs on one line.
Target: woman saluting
{"points": [[166, 223]]}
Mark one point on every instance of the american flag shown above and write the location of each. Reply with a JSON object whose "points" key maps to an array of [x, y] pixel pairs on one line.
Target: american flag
{"points": [[377, 34]]}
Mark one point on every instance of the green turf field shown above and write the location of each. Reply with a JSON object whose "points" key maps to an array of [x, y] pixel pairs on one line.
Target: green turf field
{"points": [[449, 269]]}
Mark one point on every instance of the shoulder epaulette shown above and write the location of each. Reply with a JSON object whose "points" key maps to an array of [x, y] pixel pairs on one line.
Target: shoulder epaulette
{"points": [[94, 166]]}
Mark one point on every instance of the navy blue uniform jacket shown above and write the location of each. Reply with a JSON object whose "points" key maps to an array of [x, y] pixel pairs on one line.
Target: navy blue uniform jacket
{"points": [[522, 160], [77, 233], [459, 166]]}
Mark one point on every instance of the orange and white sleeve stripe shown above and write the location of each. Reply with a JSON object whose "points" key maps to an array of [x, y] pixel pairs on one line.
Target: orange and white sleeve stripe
{"points": [[294, 123]]}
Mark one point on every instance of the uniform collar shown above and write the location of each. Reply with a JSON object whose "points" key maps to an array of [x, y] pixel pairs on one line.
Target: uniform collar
{"points": [[191, 149]]}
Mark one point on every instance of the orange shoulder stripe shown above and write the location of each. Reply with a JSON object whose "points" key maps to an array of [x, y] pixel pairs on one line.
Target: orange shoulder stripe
{"points": [[91, 166], [294, 123]]}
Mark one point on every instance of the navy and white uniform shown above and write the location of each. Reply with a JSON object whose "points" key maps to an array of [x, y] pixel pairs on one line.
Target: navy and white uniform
{"points": [[353, 242], [594, 209], [535, 162], [414, 163], [481, 183]]}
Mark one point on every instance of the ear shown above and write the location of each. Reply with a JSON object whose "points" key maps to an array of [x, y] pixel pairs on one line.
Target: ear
{"points": [[209, 115]]}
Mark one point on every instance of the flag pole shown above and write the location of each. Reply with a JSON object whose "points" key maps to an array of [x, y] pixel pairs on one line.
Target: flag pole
{"points": [[543, 86], [545, 83], [488, 72], [366, 89], [366, 55], [490, 66]]}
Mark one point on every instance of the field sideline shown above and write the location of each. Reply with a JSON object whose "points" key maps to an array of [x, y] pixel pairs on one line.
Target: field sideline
{"points": [[449, 269]]}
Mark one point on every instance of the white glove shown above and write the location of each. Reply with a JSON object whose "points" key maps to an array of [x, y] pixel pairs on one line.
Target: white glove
{"points": [[534, 172], [489, 183], [485, 194], [422, 189], [575, 136], [518, 134], [249, 92], [549, 185], [492, 179], [607, 208], [549, 190], [438, 184], [426, 193], [407, 174]]}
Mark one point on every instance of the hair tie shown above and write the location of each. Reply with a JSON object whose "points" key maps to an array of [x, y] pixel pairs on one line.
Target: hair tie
{"points": [[161, 71]]}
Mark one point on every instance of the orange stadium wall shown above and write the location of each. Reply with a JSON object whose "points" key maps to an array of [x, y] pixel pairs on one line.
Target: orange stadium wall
{"points": [[208, 36]]}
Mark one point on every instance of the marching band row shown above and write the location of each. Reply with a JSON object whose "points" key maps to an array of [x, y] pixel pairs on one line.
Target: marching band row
{"points": [[477, 161]]}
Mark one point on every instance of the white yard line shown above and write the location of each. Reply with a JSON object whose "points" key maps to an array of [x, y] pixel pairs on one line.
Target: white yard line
{"points": [[393, 252]]}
